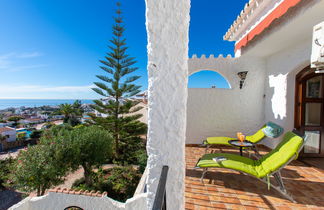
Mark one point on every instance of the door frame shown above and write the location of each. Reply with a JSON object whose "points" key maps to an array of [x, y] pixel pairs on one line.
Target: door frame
{"points": [[300, 104]]}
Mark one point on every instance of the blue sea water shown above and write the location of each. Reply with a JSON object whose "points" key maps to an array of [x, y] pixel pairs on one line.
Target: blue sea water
{"points": [[15, 103]]}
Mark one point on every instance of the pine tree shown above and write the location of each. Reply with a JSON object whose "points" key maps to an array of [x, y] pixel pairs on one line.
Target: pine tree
{"points": [[117, 86]]}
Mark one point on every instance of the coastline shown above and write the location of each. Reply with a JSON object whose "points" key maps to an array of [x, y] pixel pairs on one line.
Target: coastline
{"points": [[31, 103]]}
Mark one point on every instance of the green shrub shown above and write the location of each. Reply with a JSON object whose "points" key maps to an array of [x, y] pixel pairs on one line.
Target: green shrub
{"points": [[36, 134], [5, 172], [80, 184], [40, 167], [77, 183], [119, 182], [141, 160]]}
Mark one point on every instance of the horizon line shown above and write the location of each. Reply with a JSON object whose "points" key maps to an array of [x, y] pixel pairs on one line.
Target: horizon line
{"points": [[48, 98]]}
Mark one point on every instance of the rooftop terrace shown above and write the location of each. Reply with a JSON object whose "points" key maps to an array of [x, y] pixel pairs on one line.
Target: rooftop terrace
{"points": [[227, 189]]}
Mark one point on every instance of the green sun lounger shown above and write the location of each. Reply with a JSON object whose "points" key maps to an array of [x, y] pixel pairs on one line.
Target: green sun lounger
{"points": [[255, 138], [258, 136], [263, 168]]}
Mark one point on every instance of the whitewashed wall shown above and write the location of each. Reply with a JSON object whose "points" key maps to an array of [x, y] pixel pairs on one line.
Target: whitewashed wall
{"points": [[167, 24], [60, 201], [282, 68], [11, 134], [268, 94], [223, 112]]}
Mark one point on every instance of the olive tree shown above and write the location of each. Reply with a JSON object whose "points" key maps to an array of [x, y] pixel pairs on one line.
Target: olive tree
{"points": [[92, 146]]}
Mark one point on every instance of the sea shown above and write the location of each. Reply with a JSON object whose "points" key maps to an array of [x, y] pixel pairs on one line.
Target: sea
{"points": [[16, 103]]}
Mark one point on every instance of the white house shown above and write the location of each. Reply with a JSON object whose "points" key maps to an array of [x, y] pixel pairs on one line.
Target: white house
{"points": [[9, 133], [6, 124], [142, 103], [32, 120], [273, 44]]}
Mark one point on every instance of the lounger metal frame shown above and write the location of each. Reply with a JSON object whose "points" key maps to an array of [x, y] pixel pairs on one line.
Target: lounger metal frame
{"points": [[276, 174]]}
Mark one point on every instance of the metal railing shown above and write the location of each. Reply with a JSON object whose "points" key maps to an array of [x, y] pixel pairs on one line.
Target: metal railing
{"points": [[160, 196]]}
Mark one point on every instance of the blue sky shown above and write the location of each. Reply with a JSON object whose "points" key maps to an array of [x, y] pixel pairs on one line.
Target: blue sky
{"points": [[50, 49]]}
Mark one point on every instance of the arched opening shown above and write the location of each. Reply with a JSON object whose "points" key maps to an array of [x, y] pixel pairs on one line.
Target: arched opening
{"points": [[207, 79], [73, 208]]}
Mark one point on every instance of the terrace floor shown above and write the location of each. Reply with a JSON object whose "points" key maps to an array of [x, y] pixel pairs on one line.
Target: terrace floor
{"points": [[227, 189]]}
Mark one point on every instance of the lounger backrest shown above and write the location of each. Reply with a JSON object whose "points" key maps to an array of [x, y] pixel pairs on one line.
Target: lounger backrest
{"points": [[258, 136], [280, 156]]}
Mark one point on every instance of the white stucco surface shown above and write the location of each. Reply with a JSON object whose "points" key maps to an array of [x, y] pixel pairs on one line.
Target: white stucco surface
{"points": [[10, 134], [60, 201], [282, 69], [268, 94], [167, 24], [223, 112]]}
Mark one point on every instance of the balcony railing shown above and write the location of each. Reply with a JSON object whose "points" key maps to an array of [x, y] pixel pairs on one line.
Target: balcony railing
{"points": [[160, 196]]}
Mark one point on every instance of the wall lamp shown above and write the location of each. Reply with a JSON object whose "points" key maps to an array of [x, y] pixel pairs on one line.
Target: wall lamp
{"points": [[242, 76]]}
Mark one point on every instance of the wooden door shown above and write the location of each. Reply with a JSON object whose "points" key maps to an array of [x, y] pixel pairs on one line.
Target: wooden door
{"points": [[309, 109]]}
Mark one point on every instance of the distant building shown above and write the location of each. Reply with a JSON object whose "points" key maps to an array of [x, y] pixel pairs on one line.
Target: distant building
{"points": [[59, 117], [142, 103], [32, 121], [143, 96], [9, 133], [4, 124]]}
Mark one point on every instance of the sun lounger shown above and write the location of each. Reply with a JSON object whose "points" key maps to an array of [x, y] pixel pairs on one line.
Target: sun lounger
{"points": [[263, 168], [270, 129]]}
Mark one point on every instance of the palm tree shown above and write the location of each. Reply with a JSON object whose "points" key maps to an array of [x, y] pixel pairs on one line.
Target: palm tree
{"points": [[67, 111], [72, 112]]}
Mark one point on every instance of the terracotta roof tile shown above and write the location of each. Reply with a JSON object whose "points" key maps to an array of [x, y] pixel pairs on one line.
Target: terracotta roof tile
{"points": [[92, 193], [6, 129]]}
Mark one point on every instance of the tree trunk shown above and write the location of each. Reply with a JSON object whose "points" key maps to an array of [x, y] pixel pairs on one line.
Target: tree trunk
{"points": [[38, 191], [43, 190], [116, 146], [117, 128], [87, 174]]}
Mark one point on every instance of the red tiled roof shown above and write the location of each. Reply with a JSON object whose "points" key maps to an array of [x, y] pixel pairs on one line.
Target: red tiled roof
{"points": [[79, 192], [6, 129], [34, 119]]}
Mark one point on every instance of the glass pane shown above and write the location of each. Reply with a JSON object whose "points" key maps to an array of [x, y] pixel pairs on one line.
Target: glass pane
{"points": [[314, 87], [313, 142], [313, 114]]}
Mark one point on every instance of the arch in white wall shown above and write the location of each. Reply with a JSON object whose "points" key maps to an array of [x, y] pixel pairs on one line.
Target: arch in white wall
{"points": [[216, 74], [227, 67]]}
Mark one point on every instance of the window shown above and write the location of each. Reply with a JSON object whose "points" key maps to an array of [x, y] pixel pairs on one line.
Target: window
{"points": [[207, 79]]}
